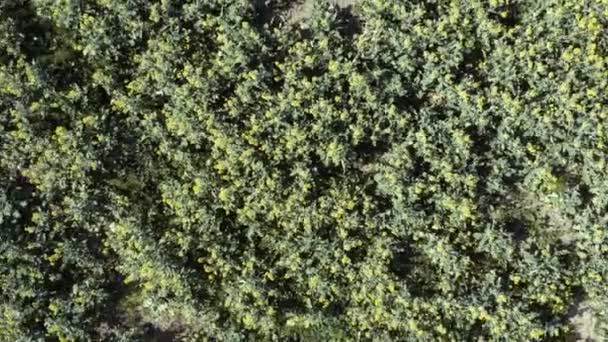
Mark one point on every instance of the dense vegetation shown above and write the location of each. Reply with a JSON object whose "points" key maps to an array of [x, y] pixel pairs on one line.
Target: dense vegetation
{"points": [[230, 170]]}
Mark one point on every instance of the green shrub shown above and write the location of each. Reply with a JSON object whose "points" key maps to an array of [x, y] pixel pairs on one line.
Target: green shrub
{"points": [[387, 170]]}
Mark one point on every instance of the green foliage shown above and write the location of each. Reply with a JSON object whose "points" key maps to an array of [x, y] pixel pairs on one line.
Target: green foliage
{"points": [[389, 170]]}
